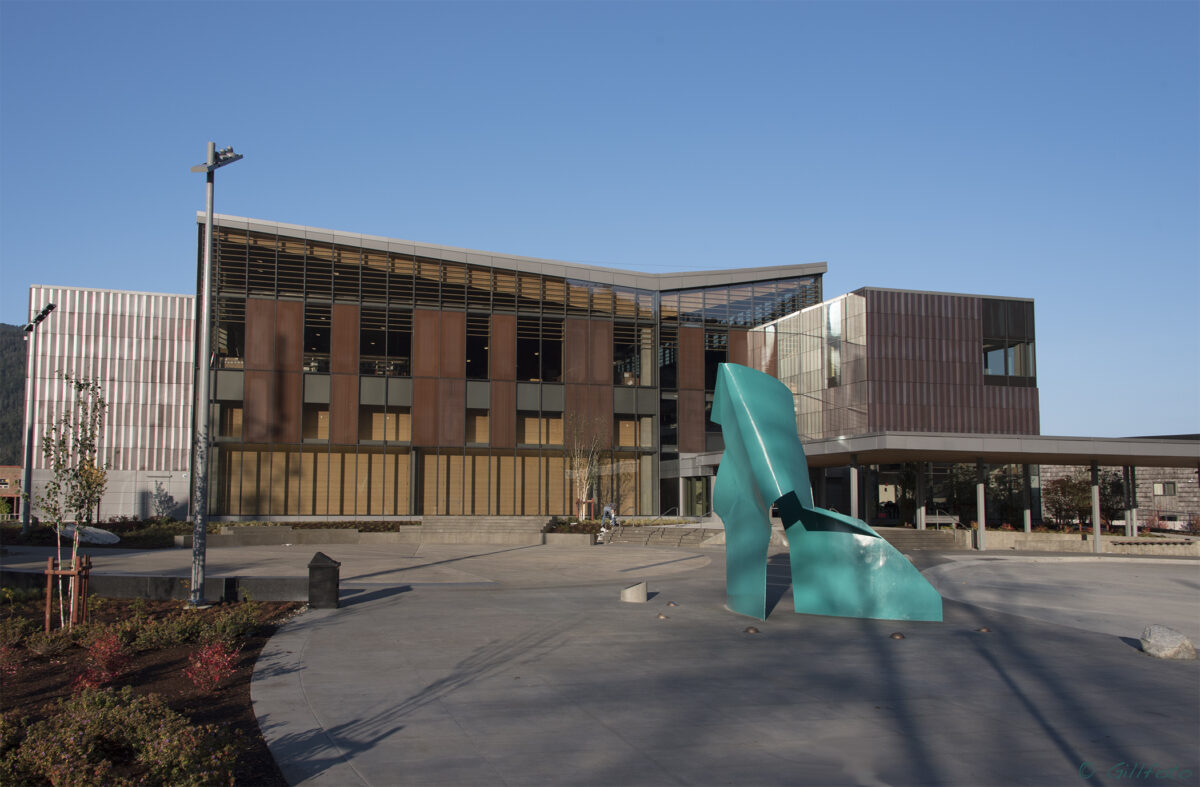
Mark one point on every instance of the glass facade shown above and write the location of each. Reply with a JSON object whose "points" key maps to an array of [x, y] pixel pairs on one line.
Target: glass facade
{"points": [[822, 359], [358, 382]]}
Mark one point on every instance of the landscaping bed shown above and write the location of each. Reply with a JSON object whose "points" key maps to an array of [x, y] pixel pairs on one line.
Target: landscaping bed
{"points": [[153, 692]]}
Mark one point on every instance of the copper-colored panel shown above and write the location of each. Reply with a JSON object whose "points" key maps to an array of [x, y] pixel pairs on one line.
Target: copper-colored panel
{"points": [[575, 347], [454, 346], [691, 421], [737, 346], [600, 363], [256, 406], [343, 342], [691, 360], [502, 342], [452, 412], [502, 417], [426, 344], [575, 401], [289, 407], [260, 334], [600, 412], [424, 412], [343, 408], [289, 335]]}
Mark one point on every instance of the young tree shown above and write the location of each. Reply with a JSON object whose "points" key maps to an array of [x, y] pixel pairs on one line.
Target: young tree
{"points": [[583, 438], [71, 450], [1067, 499], [1112, 496]]}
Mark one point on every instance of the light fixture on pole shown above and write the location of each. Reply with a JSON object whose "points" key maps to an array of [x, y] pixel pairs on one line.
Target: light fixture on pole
{"points": [[216, 159], [30, 408]]}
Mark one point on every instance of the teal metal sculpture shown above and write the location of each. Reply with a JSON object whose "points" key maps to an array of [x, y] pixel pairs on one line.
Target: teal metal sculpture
{"points": [[840, 566]]}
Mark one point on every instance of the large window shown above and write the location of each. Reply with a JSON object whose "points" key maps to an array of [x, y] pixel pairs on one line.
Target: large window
{"points": [[317, 335], [385, 343], [477, 346], [633, 348], [539, 349], [1008, 346]]}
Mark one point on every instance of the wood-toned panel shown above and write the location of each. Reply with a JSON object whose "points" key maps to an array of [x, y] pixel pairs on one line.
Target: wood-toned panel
{"points": [[343, 355], [452, 412], [575, 350], [691, 421], [258, 389], [424, 412], [426, 343], [600, 412], [289, 407], [343, 409], [454, 345], [289, 335], [502, 418], [502, 344], [691, 358], [600, 361], [575, 401], [260, 334], [738, 352]]}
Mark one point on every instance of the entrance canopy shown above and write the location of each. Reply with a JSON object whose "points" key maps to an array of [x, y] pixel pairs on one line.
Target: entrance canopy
{"points": [[898, 447]]}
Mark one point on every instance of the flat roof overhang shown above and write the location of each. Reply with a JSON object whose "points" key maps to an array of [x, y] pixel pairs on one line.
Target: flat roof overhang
{"points": [[899, 447]]}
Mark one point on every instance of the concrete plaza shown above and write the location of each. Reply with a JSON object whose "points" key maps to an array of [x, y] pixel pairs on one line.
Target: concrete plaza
{"points": [[495, 666]]}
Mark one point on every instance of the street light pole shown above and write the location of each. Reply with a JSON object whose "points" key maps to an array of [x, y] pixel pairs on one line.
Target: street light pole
{"points": [[30, 409], [215, 160]]}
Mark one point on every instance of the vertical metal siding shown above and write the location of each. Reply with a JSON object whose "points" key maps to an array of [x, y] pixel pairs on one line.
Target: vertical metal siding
{"points": [[139, 347]]}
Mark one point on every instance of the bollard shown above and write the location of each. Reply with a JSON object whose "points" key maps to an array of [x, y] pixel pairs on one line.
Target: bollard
{"points": [[635, 594], [323, 577]]}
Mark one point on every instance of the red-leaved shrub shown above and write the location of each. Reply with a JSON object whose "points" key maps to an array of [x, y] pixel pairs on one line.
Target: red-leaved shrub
{"points": [[107, 658], [212, 663]]}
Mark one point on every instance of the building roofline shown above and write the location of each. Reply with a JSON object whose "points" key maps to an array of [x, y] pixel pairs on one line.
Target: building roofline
{"points": [[937, 292], [571, 270], [112, 290]]}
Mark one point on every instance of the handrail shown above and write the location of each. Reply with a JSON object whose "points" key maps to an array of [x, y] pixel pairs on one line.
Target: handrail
{"points": [[956, 519], [617, 528]]}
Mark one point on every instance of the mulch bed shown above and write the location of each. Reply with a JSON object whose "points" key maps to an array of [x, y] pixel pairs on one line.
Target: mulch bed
{"points": [[39, 681]]}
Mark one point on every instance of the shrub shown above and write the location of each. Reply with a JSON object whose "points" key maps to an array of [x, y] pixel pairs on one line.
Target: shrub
{"points": [[212, 663], [117, 738], [13, 630], [233, 622], [10, 660], [55, 643], [178, 629], [106, 660]]}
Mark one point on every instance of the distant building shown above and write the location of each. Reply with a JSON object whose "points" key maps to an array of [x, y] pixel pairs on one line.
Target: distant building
{"points": [[10, 490], [139, 346]]}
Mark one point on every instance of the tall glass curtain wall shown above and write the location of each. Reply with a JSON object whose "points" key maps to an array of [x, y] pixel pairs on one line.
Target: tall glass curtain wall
{"points": [[356, 382], [822, 359]]}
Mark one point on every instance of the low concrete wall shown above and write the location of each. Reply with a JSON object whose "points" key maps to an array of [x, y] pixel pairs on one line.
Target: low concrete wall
{"points": [[283, 534], [570, 539], [158, 588], [1079, 542]]}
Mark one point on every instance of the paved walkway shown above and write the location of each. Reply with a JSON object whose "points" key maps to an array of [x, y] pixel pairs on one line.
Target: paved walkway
{"points": [[522, 667]]}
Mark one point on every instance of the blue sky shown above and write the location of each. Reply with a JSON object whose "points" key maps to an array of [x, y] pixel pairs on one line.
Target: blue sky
{"points": [[1044, 150]]}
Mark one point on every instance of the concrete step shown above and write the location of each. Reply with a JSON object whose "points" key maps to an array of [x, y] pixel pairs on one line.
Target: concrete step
{"points": [[906, 539], [495, 530]]}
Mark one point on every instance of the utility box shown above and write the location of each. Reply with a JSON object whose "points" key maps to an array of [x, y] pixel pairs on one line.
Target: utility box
{"points": [[324, 574]]}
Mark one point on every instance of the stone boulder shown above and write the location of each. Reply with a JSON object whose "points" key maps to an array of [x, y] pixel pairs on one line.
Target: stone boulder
{"points": [[1166, 643]]}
